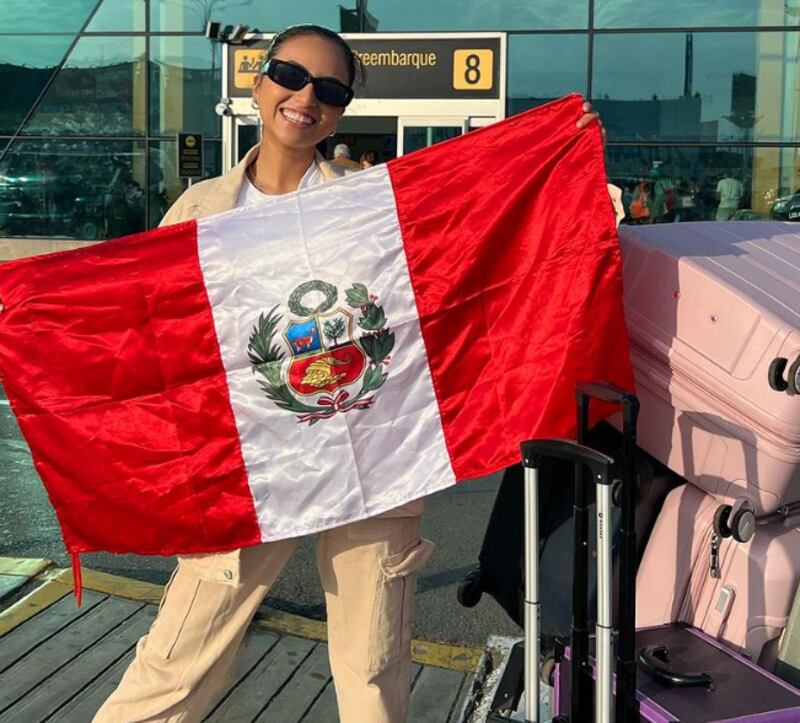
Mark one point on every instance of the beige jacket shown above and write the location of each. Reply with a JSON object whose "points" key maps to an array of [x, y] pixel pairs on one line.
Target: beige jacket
{"points": [[206, 198], [219, 194]]}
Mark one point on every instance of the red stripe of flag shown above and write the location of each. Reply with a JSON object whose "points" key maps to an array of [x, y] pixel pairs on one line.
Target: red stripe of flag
{"points": [[136, 391], [512, 251]]}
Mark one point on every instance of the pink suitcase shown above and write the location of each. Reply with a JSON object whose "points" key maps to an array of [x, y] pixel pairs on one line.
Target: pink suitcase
{"points": [[748, 605], [709, 307]]}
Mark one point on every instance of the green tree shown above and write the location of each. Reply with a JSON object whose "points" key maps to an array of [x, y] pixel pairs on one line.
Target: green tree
{"points": [[334, 328]]}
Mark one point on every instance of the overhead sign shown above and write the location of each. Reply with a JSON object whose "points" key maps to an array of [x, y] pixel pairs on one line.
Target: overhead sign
{"points": [[190, 155], [414, 67]]}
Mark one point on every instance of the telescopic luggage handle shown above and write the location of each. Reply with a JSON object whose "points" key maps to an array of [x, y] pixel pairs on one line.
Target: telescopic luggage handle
{"points": [[533, 452], [626, 708], [610, 394]]}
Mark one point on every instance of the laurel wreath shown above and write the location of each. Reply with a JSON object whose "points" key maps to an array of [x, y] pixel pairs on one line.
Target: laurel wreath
{"points": [[296, 299], [267, 358]]}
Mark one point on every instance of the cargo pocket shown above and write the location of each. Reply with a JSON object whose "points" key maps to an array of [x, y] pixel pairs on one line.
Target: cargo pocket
{"points": [[176, 603], [219, 567], [390, 630]]}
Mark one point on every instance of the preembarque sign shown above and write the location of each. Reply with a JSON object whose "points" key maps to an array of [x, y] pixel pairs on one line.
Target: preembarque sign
{"points": [[422, 68]]}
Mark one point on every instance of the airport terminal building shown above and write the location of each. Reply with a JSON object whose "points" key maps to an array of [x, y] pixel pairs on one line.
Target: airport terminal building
{"points": [[109, 108]]}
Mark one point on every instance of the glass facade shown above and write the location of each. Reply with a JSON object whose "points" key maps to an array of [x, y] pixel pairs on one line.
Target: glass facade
{"points": [[65, 188], [680, 183], [698, 86], [533, 77], [99, 91], [192, 15], [701, 99], [45, 16], [185, 84], [23, 77], [695, 13], [476, 15]]}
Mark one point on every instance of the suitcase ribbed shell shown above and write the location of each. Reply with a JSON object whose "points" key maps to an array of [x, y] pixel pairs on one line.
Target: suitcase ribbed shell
{"points": [[709, 306]]}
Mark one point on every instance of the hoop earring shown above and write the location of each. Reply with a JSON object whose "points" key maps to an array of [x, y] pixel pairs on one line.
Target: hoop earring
{"points": [[254, 104]]}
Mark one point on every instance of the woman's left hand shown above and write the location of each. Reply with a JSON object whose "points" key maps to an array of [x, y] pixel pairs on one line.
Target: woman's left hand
{"points": [[588, 116]]}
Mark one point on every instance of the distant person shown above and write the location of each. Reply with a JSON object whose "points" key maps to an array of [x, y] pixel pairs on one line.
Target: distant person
{"points": [[368, 159], [641, 209], [687, 204], [699, 196], [729, 192], [627, 198], [666, 200], [341, 157]]}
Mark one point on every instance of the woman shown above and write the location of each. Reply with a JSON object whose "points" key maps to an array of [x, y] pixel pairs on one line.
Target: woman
{"points": [[367, 568], [642, 208]]}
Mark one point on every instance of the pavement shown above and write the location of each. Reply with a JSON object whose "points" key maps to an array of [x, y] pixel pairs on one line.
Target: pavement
{"points": [[59, 661]]}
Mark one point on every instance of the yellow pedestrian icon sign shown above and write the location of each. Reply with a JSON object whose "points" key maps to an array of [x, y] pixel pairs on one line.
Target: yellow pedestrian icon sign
{"points": [[473, 69], [190, 142], [246, 63]]}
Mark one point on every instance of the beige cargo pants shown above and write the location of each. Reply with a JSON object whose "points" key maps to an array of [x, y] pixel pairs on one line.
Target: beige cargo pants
{"points": [[368, 571]]}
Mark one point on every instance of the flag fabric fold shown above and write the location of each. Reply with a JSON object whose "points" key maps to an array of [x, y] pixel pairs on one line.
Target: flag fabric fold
{"points": [[325, 356]]}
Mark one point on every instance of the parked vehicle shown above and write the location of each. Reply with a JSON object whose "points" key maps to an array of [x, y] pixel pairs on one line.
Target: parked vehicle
{"points": [[786, 208]]}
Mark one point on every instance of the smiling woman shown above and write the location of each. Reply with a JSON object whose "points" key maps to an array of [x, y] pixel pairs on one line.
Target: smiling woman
{"points": [[368, 568], [305, 84]]}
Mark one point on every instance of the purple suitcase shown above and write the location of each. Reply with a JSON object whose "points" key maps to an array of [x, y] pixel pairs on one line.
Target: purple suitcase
{"points": [[741, 691]]}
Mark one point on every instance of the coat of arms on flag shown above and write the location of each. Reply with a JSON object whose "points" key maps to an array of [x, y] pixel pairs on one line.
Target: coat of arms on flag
{"points": [[326, 363]]}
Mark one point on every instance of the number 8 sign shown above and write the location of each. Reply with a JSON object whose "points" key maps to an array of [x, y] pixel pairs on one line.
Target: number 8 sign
{"points": [[473, 69]]}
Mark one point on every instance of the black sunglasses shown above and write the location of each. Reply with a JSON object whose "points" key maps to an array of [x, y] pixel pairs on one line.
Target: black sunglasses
{"points": [[295, 77]]}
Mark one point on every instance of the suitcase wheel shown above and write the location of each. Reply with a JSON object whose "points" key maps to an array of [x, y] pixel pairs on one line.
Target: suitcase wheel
{"points": [[738, 522], [775, 374], [793, 378], [471, 589], [547, 670]]}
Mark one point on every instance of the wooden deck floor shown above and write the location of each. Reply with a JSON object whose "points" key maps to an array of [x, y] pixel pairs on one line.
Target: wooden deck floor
{"points": [[60, 662]]}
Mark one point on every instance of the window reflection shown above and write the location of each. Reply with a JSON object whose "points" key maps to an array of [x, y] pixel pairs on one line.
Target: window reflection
{"points": [[23, 75], [697, 86], [192, 15], [165, 185], [377, 15], [72, 189], [683, 13], [544, 67], [417, 137], [100, 91], [118, 16], [185, 83], [44, 16], [388, 15], [670, 184]]}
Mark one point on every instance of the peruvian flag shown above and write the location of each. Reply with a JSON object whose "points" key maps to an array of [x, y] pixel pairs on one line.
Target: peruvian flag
{"points": [[324, 356]]}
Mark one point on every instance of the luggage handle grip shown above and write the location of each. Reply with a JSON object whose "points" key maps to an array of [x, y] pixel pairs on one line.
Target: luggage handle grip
{"points": [[534, 450], [611, 394], [654, 660], [602, 391]]}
